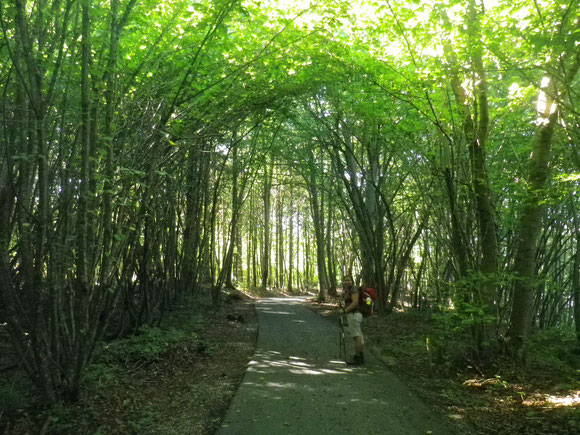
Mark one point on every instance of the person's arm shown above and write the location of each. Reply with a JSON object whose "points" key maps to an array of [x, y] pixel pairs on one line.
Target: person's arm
{"points": [[353, 305]]}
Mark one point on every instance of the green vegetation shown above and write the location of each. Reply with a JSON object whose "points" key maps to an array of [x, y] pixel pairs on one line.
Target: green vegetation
{"points": [[153, 150], [434, 355], [177, 377]]}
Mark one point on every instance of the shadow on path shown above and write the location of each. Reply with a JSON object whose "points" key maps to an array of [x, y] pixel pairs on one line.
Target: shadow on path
{"points": [[296, 384]]}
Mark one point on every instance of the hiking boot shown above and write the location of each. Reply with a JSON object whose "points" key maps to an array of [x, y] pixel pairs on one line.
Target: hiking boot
{"points": [[357, 360]]}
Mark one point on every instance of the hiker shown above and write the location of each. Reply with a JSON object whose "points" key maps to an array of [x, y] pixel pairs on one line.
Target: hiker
{"points": [[354, 319]]}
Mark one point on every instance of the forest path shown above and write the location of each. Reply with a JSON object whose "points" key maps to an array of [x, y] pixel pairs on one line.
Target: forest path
{"points": [[296, 383]]}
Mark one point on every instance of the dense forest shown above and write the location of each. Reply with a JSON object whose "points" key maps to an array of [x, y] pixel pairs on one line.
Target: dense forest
{"points": [[154, 149]]}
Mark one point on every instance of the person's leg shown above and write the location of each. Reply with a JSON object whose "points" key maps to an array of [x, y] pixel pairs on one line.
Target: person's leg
{"points": [[354, 322], [358, 345]]}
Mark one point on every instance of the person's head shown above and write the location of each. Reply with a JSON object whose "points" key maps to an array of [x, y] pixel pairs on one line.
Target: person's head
{"points": [[348, 281]]}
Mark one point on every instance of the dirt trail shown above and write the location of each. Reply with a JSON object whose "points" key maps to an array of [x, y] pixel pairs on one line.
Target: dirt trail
{"points": [[296, 384]]}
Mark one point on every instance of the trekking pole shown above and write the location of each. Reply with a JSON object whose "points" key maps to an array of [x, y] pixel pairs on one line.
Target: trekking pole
{"points": [[342, 343]]}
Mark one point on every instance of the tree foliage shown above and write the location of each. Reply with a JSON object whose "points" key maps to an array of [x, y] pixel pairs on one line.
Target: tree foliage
{"points": [[150, 149]]}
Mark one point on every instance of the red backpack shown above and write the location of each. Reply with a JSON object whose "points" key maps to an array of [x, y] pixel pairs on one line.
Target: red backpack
{"points": [[366, 300]]}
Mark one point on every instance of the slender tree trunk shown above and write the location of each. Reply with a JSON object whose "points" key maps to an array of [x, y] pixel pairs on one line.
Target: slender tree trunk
{"points": [[291, 242], [236, 207], [404, 258], [215, 278], [254, 251], [279, 240], [332, 283], [530, 219], [238, 192], [266, 248], [318, 222], [249, 244], [460, 252], [85, 135], [477, 136], [111, 81], [576, 272], [305, 251], [238, 264]]}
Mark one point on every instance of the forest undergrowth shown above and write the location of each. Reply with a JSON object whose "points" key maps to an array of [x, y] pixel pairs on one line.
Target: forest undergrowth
{"points": [[432, 354], [180, 377], [176, 378]]}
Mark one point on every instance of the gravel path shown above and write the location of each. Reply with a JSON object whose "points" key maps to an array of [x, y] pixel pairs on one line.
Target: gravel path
{"points": [[296, 383]]}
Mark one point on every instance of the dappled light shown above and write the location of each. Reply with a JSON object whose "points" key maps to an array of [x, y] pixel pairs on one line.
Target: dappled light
{"points": [[295, 365], [224, 152], [569, 399], [295, 370], [564, 400]]}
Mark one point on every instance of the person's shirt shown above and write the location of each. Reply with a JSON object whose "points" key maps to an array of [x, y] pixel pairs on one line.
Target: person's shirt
{"points": [[348, 296]]}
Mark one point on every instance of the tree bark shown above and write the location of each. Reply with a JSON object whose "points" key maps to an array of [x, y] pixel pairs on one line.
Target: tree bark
{"points": [[266, 248], [291, 242], [279, 240], [404, 258], [576, 272], [330, 255], [317, 212], [477, 133], [529, 225]]}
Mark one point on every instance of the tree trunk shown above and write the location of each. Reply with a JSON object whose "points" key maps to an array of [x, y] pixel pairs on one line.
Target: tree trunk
{"points": [[254, 246], [291, 242], [530, 219], [267, 199], [316, 208], [459, 249], [332, 283], [279, 241], [576, 272], [365, 210], [478, 139]]}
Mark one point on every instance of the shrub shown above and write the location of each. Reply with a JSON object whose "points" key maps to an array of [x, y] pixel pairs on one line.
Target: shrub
{"points": [[147, 345]]}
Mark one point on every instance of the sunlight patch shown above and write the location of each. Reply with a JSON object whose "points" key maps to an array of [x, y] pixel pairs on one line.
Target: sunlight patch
{"points": [[560, 401], [280, 385], [305, 372], [331, 372]]}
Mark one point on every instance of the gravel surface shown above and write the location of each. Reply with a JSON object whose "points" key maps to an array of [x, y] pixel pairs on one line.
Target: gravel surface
{"points": [[297, 384]]}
